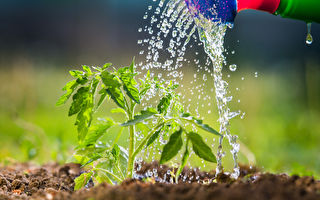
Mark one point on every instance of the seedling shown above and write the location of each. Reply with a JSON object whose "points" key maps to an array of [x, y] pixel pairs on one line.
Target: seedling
{"points": [[112, 163]]}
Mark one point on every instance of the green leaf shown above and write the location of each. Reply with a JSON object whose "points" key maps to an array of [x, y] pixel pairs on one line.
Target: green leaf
{"points": [[82, 180], [118, 110], [183, 161], [87, 69], [82, 80], [171, 149], [83, 122], [131, 90], [83, 105], [113, 84], [93, 158], [81, 159], [164, 104], [116, 152], [95, 132], [199, 123], [70, 88], [103, 95], [102, 177], [132, 68], [145, 114], [109, 79], [117, 96], [154, 136], [78, 100], [76, 73], [200, 148], [106, 66], [130, 85]]}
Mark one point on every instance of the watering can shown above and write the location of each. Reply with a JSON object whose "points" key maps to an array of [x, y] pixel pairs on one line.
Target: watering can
{"points": [[225, 11]]}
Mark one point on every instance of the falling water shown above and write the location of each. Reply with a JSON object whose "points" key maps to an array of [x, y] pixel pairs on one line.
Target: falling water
{"points": [[171, 28], [309, 39], [212, 36]]}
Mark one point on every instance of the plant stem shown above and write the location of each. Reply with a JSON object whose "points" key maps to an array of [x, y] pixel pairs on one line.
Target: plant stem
{"points": [[119, 169], [131, 149], [131, 143]]}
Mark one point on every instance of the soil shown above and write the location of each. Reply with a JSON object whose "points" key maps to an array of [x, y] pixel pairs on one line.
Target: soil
{"points": [[25, 181]]}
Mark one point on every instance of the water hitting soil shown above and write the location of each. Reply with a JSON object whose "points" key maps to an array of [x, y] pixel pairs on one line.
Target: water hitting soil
{"points": [[173, 32]]}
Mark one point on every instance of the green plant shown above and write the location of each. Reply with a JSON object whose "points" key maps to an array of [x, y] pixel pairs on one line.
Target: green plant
{"points": [[110, 162]]}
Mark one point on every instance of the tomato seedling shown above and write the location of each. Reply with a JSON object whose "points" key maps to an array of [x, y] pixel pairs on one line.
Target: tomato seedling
{"points": [[112, 163]]}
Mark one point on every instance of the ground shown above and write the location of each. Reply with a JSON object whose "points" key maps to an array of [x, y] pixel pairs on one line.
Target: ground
{"points": [[52, 181]]}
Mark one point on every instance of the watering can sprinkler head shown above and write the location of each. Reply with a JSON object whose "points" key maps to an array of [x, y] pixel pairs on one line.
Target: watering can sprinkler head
{"points": [[225, 11], [221, 11]]}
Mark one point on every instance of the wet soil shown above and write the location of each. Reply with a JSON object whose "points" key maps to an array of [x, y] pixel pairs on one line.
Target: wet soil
{"points": [[26, 181]]}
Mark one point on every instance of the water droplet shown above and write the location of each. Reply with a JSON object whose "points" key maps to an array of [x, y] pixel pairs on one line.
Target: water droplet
{"points": [[309, 39], [243, 114], [233, 67]]}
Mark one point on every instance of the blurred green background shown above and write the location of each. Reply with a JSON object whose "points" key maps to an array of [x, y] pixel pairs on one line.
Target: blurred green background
{"points": [[42, 40]]}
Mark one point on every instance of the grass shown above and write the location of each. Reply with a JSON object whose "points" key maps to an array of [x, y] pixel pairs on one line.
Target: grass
{"points": [[281, 126]]}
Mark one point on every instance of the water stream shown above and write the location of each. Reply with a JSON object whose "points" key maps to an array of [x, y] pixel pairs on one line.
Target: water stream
{"points": [[168, 37]]}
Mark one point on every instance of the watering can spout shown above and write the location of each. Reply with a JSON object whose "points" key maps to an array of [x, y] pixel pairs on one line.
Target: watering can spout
{"points": [[225, 11]]}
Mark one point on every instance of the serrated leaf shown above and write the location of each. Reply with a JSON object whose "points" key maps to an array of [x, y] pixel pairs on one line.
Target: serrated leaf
{"points": [[132, 91], [106, 66], [82, 180], [117, 96], [164, 104], [130, 85], [110, 80], [83, 121], [116, 152], [84, 116], [82, 80], [78, 100], [199, 123], [145, 90], [145, 114], [76, 73], [87, 69], [154, 136], [200, 148], [171, 149], [69, 88], [97, 131], [113, 84], [103, 95]]}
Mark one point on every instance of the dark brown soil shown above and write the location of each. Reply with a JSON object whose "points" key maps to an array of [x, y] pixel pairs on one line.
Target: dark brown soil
{"points": [[24, 181]]}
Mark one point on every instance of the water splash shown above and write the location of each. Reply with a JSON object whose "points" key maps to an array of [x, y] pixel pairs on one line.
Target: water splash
{"points": [[169, 33], [212, 36]]}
